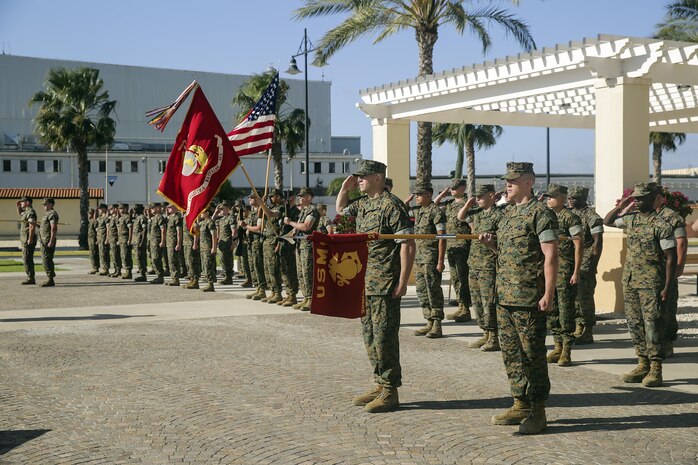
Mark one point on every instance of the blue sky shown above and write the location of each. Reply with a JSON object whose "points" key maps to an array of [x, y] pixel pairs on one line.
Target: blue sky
{"points": [[241, 37]]}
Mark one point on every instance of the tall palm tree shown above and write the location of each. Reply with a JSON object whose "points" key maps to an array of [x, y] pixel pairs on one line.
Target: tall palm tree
{"points": [[681, 21], [383, 18], [467, 138], [75, 115], [290, 123], [660, 142]]}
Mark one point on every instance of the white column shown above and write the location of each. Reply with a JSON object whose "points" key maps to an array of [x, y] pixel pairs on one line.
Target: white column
{"points": [[391, 145]]}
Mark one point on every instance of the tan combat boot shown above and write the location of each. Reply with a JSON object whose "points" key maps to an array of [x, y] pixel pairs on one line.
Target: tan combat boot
{"points": [[462, 315], [435, 331], [29, 281], [290, 301], [586, 337], [654, 377], [209, 288], [639, 372], [386, 401], [193, 284], [515, 414], [252, 294], [48, 283], [578, 330], [300, 304], [128, 275], [480, 342], [554, 355], [423, 331], [565, 359], [306, 306], [536, 421], [261, 295], [275, 297], [366, 397], [174, 282], [492, 344]]}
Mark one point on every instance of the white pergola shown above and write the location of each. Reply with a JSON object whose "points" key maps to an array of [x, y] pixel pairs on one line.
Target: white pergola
{"points": [[623, 87]]}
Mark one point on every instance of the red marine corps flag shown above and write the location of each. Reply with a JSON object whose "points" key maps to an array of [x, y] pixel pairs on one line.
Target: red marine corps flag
{"points": [[339, 272], [201, 159]]}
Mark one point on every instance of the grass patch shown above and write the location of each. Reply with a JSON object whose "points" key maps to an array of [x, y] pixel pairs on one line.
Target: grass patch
{"points": [[14, 266], [58, 253]]}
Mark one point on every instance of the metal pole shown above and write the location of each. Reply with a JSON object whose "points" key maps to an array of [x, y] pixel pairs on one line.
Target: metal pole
{"points": [[106, 176], [307, 135], [547, 157]]}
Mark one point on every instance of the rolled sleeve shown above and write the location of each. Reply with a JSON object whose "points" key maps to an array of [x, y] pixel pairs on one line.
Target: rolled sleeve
{"points": [[669, 243], [597, 230], [680, 231], [403, 231], [619, 223], [548, 235], [576, 231]]}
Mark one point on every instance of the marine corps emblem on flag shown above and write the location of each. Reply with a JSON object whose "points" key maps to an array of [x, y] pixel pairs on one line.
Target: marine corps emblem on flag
{"points": [[195, 160], [339, 272]]}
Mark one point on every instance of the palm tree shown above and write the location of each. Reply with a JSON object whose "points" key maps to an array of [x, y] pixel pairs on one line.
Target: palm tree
{"points": [[681, 22], [661, 141], [290, 125], [75, 115], [467, 138], [383, 18]]}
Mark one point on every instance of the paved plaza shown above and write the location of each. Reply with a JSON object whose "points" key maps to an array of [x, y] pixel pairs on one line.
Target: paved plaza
{"points": [[105, 371]]}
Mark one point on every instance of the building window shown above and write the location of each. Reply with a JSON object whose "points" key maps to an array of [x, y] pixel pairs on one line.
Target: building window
{"points": [[23, 166], [317, 167], [57, 166], [134, 166], [118, 166], [40, 166], [331, 168], [345, 167], [302, 167], [162, 164], [102, 166], [89, 166], [7, 166]]}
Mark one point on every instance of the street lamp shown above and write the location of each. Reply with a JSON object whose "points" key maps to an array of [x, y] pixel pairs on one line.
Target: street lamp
{"points": [[305, 47]]}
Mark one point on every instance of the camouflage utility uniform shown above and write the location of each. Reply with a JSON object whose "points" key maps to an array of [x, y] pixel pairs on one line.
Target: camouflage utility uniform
{"points": [[27, 217], [102, 244], [226, 223], [172, 238], [256, 251], [287, 254], [192, 257], [157, 225], [304, 251], [428, 220], [114, 250], [671, 326], [92, 244], [207, 233], [140, 243], [272, 267], [457, 253], [49, 219], [124, 225]]}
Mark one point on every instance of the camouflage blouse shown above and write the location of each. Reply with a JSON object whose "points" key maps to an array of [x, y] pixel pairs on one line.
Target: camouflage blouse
{"points": [[174, 221], [482, 257], [305, 213], [593, 224], [124, 224], [49, 219], [140, 227], [428, 220], [570, 225], [156, 223], [28, 216], [454, 225], [226, 224]]}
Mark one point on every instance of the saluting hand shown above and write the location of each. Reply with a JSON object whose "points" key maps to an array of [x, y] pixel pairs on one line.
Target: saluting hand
{"points": [[350, 183]]}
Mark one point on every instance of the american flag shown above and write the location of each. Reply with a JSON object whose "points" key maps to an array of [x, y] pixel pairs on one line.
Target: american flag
{"points": [[256, 131]]}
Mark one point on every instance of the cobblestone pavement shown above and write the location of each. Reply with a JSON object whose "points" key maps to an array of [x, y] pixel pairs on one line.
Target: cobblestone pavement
{"points": [[276, 389]]}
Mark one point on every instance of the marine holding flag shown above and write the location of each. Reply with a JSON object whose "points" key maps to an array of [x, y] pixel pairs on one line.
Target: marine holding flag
{"points": [[201, 160], [387, 271]]}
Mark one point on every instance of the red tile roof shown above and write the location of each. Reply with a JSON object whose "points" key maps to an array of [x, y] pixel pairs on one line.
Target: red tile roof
{"points": [[56, 193]]}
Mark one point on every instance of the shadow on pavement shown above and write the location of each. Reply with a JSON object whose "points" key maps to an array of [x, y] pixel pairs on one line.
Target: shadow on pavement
{"points": [[10, 439], [577, 425], [97, 316]]}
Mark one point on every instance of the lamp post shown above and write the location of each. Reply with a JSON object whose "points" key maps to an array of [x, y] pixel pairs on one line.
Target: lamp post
{"points": [[305, 47]]}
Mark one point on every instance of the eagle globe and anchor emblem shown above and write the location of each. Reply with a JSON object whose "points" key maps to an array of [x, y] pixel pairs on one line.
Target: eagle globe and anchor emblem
{"points": [[195, 160], [344, 270]]}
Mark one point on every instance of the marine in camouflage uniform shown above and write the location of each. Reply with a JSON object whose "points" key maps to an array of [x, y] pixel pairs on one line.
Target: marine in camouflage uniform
{"points": [[287, 253], [307, 222], [647, 275], [429, 260], [156, 239], [102, 239], [173, 242], [526, 244], [27, 237], [272, 228], [678, 224], [192, 256], [113, 238], [226, 224], [482, 264], [561, 317], [457, 252], [48, 230], [325, 224], [593, 246], [253, 229], [242, 250], [208, 242], [92, 240], [125, 231], [140, 242], [387, 271]]}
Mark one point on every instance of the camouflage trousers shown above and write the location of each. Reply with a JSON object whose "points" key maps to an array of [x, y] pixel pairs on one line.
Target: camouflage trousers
{"points": [[126, 256], [458, 264], [561, 318], [429, 291], [481, 284], [244, 261], [522, 338], [141, 259], [257, 262], [104, 255], [671, 325], [115, 255], [380, 328], [287, 262], [208, 264], [173, 258], [156, 259], [193, 259], [304, 264], [47, 258], [28, 259], [226, 258], [585, 308], [165, 259], [94, 253], [271, 266], [643, 310]]}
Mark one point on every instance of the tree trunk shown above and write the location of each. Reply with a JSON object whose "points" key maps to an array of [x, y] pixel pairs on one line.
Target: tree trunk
{"points": [[84, 197], [278, 166], [657, 159], [425, 40], [470, 162], [458, 172]]}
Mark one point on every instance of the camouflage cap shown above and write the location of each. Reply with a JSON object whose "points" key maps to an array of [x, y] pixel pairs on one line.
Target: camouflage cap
{"points": [[367, 167], [124, 206], [138, 206], [224, 203], [252, 193], [275, 191], [458, 182], [48, 200], [305, 191], [103, 206], [484, 189], [423, 188], [554, 190], [26, 198], [644, 188], [578, 192], [516, 168], [115, 205]]}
